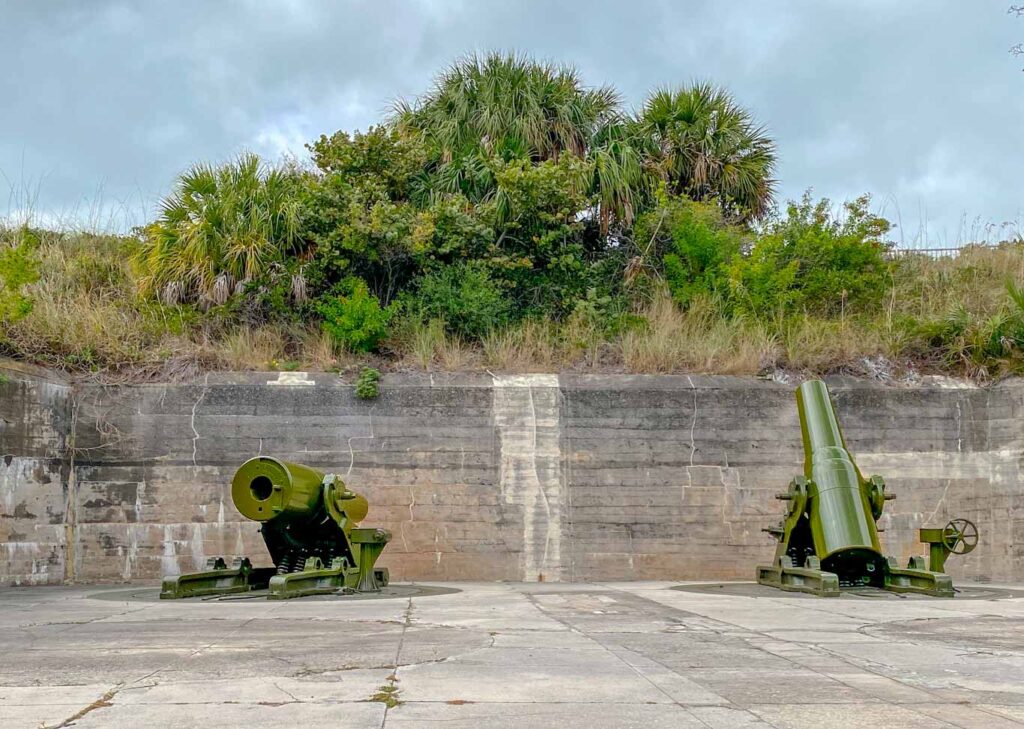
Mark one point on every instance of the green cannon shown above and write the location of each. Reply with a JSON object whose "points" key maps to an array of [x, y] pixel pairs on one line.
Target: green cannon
{"points": [[310, 526], [829, 539]]}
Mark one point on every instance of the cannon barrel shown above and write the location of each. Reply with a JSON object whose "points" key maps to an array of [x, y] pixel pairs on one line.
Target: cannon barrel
{"points": [[841, 515], [267, 488]]}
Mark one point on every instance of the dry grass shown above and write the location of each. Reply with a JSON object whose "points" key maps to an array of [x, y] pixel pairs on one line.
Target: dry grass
{"points": [[529, 347], [928, 288], [698, 340], [86, 315], [252, 349], [428, 346], [820, 345]]}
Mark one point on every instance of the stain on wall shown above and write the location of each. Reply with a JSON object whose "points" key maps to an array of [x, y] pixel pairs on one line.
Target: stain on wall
{"points": [[36, 508]]}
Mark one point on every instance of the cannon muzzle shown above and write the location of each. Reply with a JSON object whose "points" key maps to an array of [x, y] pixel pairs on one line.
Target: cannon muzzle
{"points": [[267, 488]]}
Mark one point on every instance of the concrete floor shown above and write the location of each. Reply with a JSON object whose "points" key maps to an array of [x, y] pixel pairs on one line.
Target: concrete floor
{"points": [[510, 655]]}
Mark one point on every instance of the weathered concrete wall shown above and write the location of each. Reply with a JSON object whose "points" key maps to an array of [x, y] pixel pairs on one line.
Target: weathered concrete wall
{"points": [[529, 477], [677, 475], [35, 418]]}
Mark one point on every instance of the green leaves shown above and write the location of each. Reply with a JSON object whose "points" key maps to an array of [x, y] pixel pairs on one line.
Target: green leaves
{"points": [[507, 106], [815, 261], [219, 227], [705, 146], [19, 268], [368, 384], [699, 246], [354, 319], [464, 297]]}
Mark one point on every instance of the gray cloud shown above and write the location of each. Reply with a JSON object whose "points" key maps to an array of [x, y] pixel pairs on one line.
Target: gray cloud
{"points": [[915, 101]]}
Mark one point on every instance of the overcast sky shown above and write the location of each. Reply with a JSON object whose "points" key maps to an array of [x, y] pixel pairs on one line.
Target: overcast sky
{"points": [[916, 101]]}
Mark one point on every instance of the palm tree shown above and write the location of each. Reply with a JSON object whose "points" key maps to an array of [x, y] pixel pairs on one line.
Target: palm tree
{"points": [[702, 144], [618, 176], [219, 227], [508, 106]]}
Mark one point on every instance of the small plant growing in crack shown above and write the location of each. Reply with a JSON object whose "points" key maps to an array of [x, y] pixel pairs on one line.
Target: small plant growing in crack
{"points": [[387, 695], [368, 384]]}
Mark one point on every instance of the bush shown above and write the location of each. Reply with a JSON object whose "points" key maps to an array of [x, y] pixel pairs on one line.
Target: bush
{"points": [[814, 261], [465, 297], [355, 320], [368, 384], [219, 227], [19, 267], [699, 246]]}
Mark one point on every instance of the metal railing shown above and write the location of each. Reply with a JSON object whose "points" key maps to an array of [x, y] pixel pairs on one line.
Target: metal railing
{"points": [[929, 252]]}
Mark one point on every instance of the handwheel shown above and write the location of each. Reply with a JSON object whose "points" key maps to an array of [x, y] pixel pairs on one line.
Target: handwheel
{"points": [[960, 536]]}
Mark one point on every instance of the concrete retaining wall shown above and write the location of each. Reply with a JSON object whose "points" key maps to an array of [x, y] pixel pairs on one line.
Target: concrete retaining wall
{"points": [[491, 478], [35, 418]]}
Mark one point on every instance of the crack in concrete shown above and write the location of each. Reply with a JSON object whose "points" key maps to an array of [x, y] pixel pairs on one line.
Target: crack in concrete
{"points": [[393, 678], [192, 422], [287, 693], [101, 703], [693, 424]]}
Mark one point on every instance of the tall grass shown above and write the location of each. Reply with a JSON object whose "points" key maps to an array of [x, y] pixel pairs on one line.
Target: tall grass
{"points": [[947, 315]]}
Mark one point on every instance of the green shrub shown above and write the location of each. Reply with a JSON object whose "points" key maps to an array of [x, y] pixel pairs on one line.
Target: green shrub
{"points": [[19, 267], [543, 249], [368, 384], [814, 261], [698, 245], [465, 297], [355, 319]]}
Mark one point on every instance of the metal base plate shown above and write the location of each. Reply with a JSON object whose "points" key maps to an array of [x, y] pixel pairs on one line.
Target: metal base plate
{"points": [[393, 591], [753, 589]]}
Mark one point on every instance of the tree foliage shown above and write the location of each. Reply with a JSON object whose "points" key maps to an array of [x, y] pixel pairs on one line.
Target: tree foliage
{"points": [[464, 297], [221, 226], [816, 261], [706, 146], [697, 243]]}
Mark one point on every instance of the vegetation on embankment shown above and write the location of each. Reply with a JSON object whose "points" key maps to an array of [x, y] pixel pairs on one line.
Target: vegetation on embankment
{"points": [[511, 219]]}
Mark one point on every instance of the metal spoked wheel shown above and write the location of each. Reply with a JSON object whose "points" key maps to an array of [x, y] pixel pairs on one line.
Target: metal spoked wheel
{"points": [[960, 536]]}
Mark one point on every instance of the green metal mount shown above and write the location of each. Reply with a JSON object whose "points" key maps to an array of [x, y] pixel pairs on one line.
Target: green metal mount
{"points": [[828, 539], [217, 579], [959, 536], [316, 579], [310, 526]]}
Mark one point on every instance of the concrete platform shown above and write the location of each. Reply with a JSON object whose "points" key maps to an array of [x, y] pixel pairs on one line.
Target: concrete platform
{"points": [[511, 655]]}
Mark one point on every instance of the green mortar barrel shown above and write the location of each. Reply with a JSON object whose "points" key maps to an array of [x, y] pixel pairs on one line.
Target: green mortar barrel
{"points": [[841, 518], [266, 488]]}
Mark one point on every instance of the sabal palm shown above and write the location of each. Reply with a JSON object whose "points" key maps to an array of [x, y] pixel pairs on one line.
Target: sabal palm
{"points": [[703, 145], [507, 106], [220, 225]]}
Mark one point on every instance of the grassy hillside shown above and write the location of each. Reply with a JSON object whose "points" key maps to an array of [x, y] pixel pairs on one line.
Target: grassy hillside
{"points": [[952, 316], [511, 218]]}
